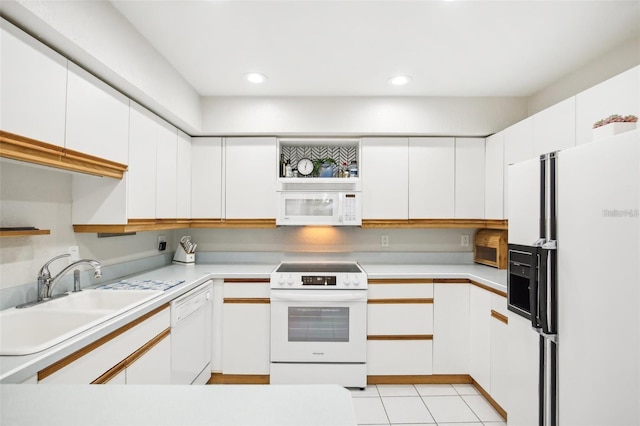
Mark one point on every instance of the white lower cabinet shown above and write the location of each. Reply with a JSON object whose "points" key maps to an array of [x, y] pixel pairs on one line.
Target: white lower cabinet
{"points": [[499, 350], [451, 328], [107, 358], [399, 357], [246, 328], [480, 336], [400, 328], [522, 370], [154, 367]]}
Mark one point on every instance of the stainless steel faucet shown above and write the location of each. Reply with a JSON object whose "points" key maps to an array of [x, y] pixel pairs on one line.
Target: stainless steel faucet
{"points": [[46, 282]]}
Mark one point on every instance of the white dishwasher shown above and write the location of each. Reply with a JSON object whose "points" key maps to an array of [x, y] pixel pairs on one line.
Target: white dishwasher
{"points": [[191, 319]]}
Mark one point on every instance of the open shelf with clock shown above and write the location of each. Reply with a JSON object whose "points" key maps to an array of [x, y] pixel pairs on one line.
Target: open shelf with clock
{"points": [[320, 162]]}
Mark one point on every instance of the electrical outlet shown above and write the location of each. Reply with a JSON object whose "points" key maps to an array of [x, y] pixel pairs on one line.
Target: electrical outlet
{"points": [[74, 251], [162, 242], [384, 241], [464, 240]]}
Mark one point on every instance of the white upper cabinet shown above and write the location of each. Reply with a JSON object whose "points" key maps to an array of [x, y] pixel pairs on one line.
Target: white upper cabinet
{"points": [[469, 178], [33, 83], [554, 128], [97, 119], [494, 177], [518, 141], [166, 170], [206, 178], [385, 181], [250, 177], [618, 95], [183, 180], [431, 178], [142, 164]]}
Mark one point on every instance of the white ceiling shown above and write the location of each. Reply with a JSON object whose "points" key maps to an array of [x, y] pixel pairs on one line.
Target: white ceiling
{"points": [[351, 48]]}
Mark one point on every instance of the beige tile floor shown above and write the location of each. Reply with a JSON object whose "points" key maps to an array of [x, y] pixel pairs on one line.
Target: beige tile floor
{"points": [[450, 405]]}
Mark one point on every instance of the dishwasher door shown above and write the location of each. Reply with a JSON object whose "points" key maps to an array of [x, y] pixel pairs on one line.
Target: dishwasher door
{"points": [[191, 323]]}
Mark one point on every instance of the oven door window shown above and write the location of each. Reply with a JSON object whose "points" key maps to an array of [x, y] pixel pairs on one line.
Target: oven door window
{"points": [[318, 324]]}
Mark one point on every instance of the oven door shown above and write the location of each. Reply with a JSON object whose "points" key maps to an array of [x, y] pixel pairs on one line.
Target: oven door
{"points": [[318, 326]]}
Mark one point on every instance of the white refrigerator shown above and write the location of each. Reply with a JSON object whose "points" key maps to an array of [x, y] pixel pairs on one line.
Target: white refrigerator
{"points": [[574, 273]]}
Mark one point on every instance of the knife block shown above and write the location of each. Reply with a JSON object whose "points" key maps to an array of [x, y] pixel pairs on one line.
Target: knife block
{"points": [[183, 257]]}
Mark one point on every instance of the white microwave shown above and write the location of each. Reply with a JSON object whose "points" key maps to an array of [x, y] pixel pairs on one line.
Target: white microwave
{"points": [[319, 208]]}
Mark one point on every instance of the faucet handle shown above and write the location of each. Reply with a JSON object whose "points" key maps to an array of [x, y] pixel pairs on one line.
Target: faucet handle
{"points": [[44, 271]]}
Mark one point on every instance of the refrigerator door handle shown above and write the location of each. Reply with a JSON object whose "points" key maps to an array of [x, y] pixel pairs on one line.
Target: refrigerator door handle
{"points": [[533, 289]]}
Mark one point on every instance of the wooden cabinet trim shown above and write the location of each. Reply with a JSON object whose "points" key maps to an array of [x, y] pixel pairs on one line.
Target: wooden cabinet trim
{"points": [[435, 223], [246, 300], [29, 150], [426, 300], [490, 400], [400, 337], [489, 289], [141, 225], [451, 281], [239, 379], [500, 317], [436, 379], [400, 280], [58, 365]]}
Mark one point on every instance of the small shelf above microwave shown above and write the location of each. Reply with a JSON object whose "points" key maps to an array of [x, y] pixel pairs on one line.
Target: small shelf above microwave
{"points": [[318, 184]]}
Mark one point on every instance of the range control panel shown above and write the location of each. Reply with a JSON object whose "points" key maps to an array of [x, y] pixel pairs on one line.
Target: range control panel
{"points": [[319, 280]]}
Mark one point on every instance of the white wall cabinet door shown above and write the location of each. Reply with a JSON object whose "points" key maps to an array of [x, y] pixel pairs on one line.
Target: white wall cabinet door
{"points": [[246, 338], [385, 181], [431, 178], [480, 336], [618, 95], [518, 146], [494, 187], [451, 329], [469, 178], [152, 368], [166, 170], [554, 128], [97, 119], [33, 83], [206, 178], [250, 178], [141, 193], [183, 178], [518, 141]]}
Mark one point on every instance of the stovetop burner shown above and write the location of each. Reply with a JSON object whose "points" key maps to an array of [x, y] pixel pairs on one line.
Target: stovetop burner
{"points": [[347, 268]]}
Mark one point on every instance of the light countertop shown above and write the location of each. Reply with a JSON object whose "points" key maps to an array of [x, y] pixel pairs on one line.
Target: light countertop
{"points": [[230, 405], [15, 369]]}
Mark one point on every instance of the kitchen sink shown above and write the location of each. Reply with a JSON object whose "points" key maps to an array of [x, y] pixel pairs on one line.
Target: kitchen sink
{"points": [[103, 300], [31, 330]]}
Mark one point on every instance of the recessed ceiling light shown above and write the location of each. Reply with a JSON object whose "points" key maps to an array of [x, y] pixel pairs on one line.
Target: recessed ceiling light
{"points": [[255, 77], [399, 80]]}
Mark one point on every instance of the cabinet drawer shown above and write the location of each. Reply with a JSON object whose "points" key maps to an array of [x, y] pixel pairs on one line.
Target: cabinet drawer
{"points": [[89, 363], [249, 289], [400, 319], [399, 357], [399, 290]]}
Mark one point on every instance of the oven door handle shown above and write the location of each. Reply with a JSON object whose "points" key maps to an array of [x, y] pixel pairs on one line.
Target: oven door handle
{"points": [[289, 297]]}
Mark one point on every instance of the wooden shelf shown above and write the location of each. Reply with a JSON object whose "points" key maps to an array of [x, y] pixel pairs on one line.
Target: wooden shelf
{"points": [[21, 148], [24, 233], [141, 225]]}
